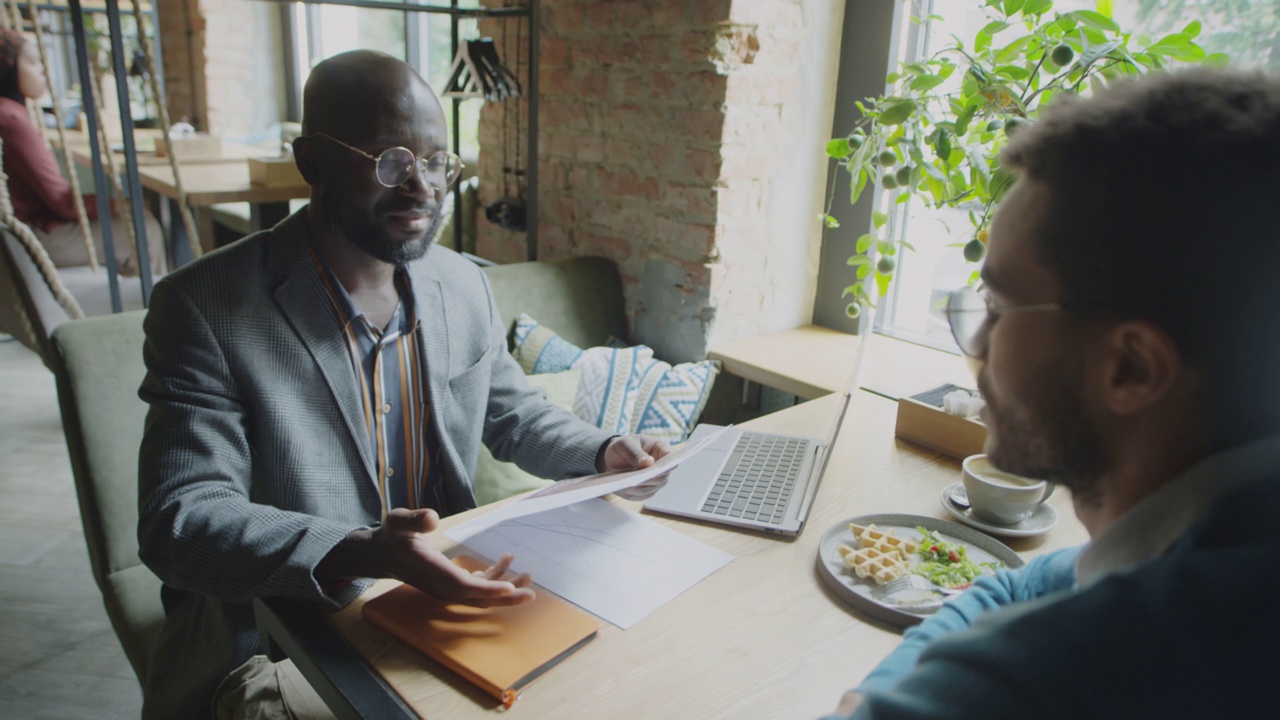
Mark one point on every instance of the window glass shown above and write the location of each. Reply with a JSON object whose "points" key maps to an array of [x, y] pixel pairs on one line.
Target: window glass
{"points": [[421, 39]]}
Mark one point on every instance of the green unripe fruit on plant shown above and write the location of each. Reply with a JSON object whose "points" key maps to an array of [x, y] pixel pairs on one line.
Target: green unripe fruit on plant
{"points": [[1062, 55], [903, 176], [887, 158], [1014, 124], [855, 141], [974, 250], [889, 181], [853, 310], [885, 265]]}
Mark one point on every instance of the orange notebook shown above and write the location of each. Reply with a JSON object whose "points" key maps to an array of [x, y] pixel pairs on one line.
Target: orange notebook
{"points": [[501, 650]]}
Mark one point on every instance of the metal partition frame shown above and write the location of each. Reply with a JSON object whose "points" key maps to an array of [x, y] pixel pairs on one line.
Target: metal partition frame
{"points": [[530, 10]]}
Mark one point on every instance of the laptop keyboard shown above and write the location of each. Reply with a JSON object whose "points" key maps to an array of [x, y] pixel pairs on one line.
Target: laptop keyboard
{"points": [[758, 479]]}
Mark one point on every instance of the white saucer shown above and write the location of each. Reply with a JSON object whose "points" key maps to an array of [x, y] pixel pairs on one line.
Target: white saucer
{"points": [[1041, 521]]}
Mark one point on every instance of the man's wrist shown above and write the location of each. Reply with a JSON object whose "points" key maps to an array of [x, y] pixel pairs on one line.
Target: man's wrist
{"points": [[347, 560], [600, 453]]}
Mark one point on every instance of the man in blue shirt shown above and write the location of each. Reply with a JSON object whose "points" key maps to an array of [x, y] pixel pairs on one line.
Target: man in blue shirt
{"points": [[1128, 331]]}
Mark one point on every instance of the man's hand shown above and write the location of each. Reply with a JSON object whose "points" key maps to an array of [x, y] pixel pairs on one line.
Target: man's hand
{"points": [[402, 549], [849, 703], [631, 452]]}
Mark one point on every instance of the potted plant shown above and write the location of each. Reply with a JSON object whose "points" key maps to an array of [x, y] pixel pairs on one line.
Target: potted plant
{"points": [[936, 136]]}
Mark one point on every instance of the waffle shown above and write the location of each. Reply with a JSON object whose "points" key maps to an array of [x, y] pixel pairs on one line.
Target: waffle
{"points": [[884, 541], [872, 563]]}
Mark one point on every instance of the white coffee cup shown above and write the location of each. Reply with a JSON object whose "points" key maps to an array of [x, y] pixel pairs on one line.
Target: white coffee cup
{"points": [[1000, 497]]}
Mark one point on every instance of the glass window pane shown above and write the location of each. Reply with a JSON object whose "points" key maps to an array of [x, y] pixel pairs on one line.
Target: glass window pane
{"points": [[913, 308]]}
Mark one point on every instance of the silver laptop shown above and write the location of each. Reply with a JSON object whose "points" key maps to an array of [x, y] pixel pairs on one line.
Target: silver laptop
{"points": [[759, 481]]}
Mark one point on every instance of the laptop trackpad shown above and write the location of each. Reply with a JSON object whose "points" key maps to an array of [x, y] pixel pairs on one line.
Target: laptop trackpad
{"points": [[689, 482]]}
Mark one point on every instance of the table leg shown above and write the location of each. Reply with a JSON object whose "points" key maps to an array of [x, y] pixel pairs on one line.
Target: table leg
{"points": [[346, 683], [175, 232], [265, 215]]}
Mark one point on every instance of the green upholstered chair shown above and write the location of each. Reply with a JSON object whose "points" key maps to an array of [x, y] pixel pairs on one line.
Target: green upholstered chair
{"points": [[98, 365], [28, 309], [581, 298]]}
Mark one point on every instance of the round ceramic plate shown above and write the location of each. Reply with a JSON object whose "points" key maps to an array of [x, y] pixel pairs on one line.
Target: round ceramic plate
{"points": [[1041, 521], [857, 592]]}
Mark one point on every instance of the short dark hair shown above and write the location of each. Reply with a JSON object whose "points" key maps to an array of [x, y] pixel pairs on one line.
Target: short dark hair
{"points": [[1164, 204]]}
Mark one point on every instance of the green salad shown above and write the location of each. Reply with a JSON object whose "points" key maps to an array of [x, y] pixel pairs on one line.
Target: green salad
{"points": [[947, 564]]}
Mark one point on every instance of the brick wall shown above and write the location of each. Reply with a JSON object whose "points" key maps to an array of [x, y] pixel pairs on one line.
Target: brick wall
{"points": [[663, 129], [182, 40], [223, 64], [681, 139]]}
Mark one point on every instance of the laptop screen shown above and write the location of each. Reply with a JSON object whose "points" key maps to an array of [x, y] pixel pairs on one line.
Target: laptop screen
{"points": [[849, 389]]}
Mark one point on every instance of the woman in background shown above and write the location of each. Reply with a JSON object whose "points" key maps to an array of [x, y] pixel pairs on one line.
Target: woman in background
{"points": [[42, 197]]}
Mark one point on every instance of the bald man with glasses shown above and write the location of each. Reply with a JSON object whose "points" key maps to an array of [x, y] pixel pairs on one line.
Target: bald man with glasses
{"points": [[318, 394]]}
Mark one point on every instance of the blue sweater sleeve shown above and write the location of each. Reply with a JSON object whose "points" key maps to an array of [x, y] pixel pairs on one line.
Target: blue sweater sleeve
{"points": [[1042, 576]]}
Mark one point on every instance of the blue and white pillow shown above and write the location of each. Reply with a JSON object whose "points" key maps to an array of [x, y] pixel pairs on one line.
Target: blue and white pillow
{"points": [[623, 389], [670, 399]]}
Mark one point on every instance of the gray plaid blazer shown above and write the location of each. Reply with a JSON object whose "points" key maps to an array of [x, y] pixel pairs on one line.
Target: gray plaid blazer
{"points": [[254, 463]]}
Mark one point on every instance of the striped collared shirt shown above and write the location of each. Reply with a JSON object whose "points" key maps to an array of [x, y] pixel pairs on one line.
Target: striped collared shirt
{"points": [[389, 366]]}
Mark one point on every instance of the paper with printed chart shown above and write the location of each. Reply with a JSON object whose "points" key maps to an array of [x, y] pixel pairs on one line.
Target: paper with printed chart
{"points": [[601, 557], [567, 492]]}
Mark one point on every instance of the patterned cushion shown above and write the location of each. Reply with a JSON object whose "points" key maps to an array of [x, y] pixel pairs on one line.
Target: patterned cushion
{"points": [[623, 389], [670, 399]]}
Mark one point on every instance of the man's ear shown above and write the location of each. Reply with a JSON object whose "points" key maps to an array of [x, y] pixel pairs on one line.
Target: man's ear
{"points": [[305, 160], [1143, 363]]}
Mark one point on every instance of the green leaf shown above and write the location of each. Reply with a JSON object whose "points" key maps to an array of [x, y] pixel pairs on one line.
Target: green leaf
{"points": [[859, 260], [1106, 7], [1095, 20], [1178, 47], [829, 221], [878, 219], [1217, 60], [902, 198], [962, 121], [839, 148], [858, 187], [864, 269], [1013, 72], [993, 27], [1088, 57], [864, 242], [943, 146], [1192, 29], [925, 83], [882, 282], [892, 78], [907, 245], [981, 41], [897, 112], [1013, 51], [1036, 7], [851, 290], [1012, 6]]}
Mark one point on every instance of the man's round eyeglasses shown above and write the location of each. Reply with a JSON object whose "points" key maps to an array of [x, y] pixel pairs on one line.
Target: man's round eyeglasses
{"points": [[394, 166], [971, 313]]}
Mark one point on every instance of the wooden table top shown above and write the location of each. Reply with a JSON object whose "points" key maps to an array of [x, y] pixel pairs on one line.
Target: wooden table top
{"points": [[213, 183], [761, 638]]}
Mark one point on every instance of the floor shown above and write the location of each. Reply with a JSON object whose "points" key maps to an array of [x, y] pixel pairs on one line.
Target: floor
{"points": [[58, 655]]}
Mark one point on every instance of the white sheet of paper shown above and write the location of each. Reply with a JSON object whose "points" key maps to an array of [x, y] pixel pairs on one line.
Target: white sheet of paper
{"points": [[567, 492], [604, 558]]}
